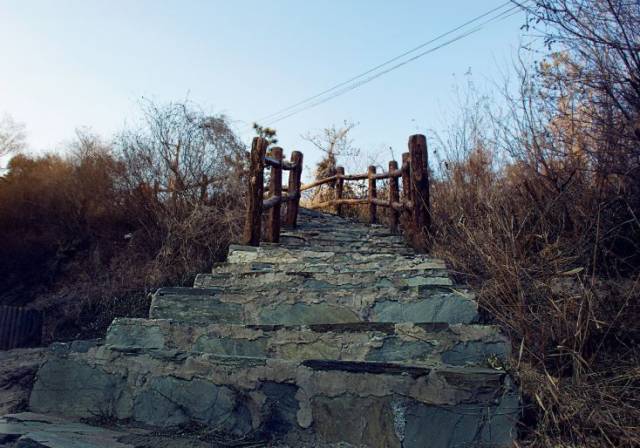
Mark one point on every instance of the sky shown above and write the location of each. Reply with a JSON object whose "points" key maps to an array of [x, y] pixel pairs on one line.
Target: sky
{"points": [[67, 64]]}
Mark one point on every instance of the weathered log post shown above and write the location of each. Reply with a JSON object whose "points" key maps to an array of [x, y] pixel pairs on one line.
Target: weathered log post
{"points": [[406, 177], [275, 190], [372, 195], [295, 175], [255, 192], [394, 196], [339, 189], [420, 186], [407, 211]]}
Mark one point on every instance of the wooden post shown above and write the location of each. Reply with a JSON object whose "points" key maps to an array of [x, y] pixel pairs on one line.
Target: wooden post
{"points": [[420, 185], [339, 188], [406, 177], [294, 189], [253, 216], [275, 189], [372, 195], [394, 196]]}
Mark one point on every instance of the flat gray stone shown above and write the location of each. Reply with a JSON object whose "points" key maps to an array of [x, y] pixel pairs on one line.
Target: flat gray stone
{"points": [[196, 305], [72, 388], [469, 352], [168, 401], [398, 350], [135, 336], [463, 425], [445, 307], [232, 347], [306, 314]]}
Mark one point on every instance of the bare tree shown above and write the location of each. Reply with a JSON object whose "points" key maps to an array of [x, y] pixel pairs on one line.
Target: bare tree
{"points": [[180, 150], [12, 136], [592, 80], [183, 170], [333, 142]]}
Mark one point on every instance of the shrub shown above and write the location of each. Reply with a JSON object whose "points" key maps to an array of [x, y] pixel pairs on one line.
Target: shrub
{"points": [[90, 234]]}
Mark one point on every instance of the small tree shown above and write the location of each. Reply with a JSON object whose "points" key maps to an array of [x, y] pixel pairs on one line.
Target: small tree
{"points": [[334, 142], [266, 132]]}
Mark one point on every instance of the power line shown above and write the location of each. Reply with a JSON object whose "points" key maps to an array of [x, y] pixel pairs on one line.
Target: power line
{"points": [[348, 87], [373, 69]]}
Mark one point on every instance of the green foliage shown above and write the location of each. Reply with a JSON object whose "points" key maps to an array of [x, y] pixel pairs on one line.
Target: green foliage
{"points": [[265, 132]]}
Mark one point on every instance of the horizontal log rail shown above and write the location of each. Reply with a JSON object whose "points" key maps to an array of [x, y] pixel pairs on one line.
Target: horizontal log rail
{"points": [[277, 200], [397, 173], [412, 200], [408, 191], [317, 183], [282, 164]]}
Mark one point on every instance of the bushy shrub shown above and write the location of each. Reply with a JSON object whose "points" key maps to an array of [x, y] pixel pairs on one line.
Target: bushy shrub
{"points": [[88, 235]]}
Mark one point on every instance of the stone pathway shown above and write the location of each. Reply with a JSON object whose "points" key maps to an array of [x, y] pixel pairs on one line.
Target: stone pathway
{"points": [[339, 336]]}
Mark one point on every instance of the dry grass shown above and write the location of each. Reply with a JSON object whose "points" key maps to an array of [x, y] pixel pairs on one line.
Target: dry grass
{"points": [[558, 271], [554, 270]]}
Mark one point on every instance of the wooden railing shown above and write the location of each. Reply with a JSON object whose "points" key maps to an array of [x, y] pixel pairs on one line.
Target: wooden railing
{"points": [[412, 199], [256, 204]]}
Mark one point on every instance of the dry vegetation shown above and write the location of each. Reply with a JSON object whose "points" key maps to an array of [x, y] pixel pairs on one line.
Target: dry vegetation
{"points": [[88, 235], [538, 207]]}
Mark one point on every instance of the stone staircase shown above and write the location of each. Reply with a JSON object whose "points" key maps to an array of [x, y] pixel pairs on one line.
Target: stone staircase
{"points": [[338, 336]]}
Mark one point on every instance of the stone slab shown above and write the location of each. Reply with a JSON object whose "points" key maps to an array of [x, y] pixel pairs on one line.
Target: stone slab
{"points": [[18, 368], [343, 279], [360, 403], [335, 255], [422, 344], [322, 304], [47, 431]]}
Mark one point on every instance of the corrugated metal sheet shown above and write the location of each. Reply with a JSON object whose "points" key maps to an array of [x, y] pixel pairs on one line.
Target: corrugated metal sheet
{"points": [[19, 327]]}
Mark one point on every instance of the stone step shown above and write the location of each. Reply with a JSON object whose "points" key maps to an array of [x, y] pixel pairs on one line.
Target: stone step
{"points": [[353, 241], [346, 260], [299, 403], [322, 232], [341, 247], [311, 280], [416, 344], [275, 253], [276, 306], [361, 265], [310, 218]]}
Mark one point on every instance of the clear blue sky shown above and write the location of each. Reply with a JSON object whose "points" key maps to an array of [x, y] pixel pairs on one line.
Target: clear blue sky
{"points": [[71, 63]]}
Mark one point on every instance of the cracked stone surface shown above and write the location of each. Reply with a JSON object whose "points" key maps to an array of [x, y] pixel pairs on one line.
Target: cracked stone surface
{"points": [[17, 371], [338, 336], [424, 343]]}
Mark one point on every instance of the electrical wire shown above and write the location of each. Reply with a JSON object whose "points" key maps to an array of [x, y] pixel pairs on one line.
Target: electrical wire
{"points": [[389, 61], [501, 16]]}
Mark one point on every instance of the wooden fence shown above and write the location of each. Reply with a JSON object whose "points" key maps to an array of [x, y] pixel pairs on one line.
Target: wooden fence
{"points": [[410, 197]]}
